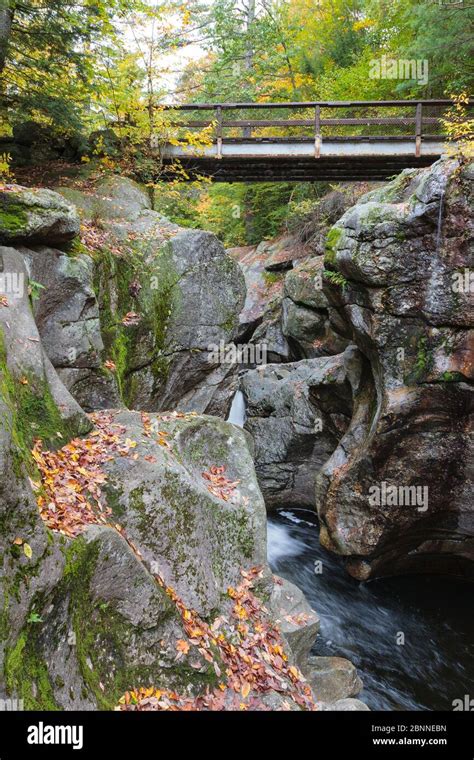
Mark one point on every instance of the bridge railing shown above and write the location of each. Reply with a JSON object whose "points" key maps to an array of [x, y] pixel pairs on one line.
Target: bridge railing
{"points": [[317, 121]]}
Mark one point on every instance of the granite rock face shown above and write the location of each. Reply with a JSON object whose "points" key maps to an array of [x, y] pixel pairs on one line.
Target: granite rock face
{"points": [[396, 494], [67, 314], [296, 414], [85, 619], [184, 294], [198, 542]]}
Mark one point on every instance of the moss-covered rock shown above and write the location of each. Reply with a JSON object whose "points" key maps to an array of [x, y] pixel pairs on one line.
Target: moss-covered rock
{"points": [[107, 619], [185, 291], [38, 216], [198, 541]]}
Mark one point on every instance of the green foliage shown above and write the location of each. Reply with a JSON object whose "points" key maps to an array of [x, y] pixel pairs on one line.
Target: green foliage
{"points": [[101, 66], [32, 414], [332, 240], [157, 299], [335, 278], [35, 289], [34, 617], [5, 170], [238, 213], [265, 209], [26, 672], [13, 217]]}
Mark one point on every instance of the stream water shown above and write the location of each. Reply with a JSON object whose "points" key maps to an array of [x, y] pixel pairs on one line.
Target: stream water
{"points": [[361, 621], [237, 410]]}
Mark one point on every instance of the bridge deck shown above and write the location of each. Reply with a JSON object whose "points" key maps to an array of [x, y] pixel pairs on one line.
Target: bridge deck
{"points": [[327, 141], [290, 161]]}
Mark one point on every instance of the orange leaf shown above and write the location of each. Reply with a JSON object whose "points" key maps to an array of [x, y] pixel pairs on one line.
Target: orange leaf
{"points": [[182, 646]]}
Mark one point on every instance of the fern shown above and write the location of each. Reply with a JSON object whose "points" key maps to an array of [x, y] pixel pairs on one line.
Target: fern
{"points": [[335, 278]]}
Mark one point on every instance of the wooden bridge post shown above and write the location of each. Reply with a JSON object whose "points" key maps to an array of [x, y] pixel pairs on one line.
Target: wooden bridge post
{"points": [[219, 131], [317, 130], [418, 130]]}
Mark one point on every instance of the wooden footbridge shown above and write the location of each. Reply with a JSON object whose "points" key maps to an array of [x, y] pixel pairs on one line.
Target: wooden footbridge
{"points": [[316, 141]]}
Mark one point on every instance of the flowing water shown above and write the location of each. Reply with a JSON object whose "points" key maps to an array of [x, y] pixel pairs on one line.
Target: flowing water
{"points": [[363, 621], [237, 410]]}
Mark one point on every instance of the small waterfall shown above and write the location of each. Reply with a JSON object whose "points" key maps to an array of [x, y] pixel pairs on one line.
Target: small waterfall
{"points": [[440, 220], [237, 410]]}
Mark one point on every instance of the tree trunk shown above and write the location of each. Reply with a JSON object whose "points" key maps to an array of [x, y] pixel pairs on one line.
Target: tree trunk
{"points": [[249, 49], [6, 18]]}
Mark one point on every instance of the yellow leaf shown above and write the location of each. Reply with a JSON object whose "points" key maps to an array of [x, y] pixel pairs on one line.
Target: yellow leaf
{"points": [[28, 551], [245, 690], [294, 672]]}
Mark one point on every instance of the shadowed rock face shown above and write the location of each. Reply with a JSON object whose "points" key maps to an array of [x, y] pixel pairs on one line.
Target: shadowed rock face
{"points": [[210, 293], [296, 414], [404, 251]]}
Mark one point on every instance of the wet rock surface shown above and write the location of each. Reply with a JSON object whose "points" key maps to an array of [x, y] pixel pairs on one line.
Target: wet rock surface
{"points": [[401, 250]]}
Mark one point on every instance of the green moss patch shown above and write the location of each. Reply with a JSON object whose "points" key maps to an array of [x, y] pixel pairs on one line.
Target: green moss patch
{"points": [[104, 637], [26, 672], [13, 219], [332, 239], [33, 413], [144, 344]]}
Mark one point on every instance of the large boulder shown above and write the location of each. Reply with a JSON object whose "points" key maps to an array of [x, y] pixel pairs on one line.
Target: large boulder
{"points": [[46, 408], [296, 414], [396, 494], [113, 198], [33, 404], [332, 678], [184, 294], [209, 295], [66, 311], [112, 583], [166, 593], [175, 510], [36, 216], [62, 290]]}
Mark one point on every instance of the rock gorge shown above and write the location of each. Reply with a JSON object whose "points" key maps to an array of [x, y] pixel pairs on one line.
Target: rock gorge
{"points": [[107, 349]]}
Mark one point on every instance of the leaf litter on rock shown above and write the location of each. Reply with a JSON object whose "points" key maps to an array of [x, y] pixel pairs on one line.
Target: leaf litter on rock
{"points": [[244, 649]]}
